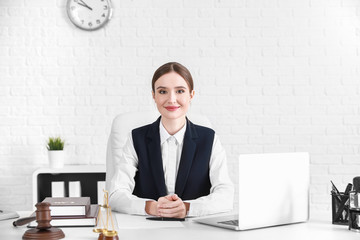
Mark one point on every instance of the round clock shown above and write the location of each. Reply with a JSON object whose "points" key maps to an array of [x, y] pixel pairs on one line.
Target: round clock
{"points": [[89, 14]]}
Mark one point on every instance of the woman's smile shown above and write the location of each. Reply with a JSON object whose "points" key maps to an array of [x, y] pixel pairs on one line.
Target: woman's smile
{"points": [[172, 108]]}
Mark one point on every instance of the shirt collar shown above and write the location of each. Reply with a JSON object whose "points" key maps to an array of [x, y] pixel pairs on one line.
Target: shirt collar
{"points": [[164, 135]]}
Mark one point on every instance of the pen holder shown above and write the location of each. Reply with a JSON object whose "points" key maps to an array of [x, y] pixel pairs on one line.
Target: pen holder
{"points": [[340, 208]]}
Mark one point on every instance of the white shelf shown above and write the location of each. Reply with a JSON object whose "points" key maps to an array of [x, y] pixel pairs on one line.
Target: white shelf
{"points": [[71, 169]]}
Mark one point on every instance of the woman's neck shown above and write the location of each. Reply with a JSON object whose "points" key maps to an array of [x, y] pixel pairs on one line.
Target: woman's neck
{"points": [[172, 126]]}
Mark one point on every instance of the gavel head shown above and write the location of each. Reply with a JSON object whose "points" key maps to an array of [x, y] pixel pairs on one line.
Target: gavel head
{"points": [[43, 216]]}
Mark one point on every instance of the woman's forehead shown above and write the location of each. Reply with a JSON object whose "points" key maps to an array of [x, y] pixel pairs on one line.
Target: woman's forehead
{"points": [[172, 80]]}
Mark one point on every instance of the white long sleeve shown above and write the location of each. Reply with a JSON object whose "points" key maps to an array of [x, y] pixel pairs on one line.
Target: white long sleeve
{"points": [[221, 194], [122, 185]]}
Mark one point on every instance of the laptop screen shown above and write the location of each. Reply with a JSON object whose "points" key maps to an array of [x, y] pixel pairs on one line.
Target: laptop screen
{"points": [[273, 189]]}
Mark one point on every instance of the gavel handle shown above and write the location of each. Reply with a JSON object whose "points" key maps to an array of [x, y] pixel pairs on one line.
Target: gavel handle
{"points": [[23, 221]]}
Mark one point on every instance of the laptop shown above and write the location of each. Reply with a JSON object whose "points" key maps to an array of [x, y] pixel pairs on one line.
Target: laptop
{"points": [[273, 190]]}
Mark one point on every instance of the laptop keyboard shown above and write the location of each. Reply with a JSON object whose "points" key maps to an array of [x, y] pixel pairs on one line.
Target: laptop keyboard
{"points": [[231, 222]]}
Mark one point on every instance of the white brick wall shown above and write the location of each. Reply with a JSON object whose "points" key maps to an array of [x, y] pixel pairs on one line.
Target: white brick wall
{"points": [[274, 75]]}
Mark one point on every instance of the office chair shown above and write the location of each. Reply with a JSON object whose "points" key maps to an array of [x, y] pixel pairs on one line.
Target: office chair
{"points": [[122, 126]]}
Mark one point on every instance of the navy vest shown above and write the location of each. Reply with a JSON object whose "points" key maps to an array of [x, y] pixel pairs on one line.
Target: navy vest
{"points": [[193, 175]]}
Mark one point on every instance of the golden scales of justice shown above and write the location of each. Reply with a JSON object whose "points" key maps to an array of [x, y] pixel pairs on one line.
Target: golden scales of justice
{"points": [[102, 225]]}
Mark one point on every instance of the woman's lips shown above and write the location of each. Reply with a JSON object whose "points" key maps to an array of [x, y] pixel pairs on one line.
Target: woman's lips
{"points": [[172, 108]]}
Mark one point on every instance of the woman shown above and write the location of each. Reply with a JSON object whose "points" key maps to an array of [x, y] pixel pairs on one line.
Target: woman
{"points": [[172, 167]]}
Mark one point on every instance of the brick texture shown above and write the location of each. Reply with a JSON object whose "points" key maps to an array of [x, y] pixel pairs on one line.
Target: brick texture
{"points": [[272, 76]]}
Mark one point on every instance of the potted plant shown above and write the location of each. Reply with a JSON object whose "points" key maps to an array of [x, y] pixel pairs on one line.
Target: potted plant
{"points": [[55, 146]]}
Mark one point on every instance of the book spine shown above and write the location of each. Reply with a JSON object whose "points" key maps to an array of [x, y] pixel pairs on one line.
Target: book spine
{"points": [[87, 209]]}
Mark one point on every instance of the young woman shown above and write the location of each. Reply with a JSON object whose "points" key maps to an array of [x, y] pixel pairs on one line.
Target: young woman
{"points": [[172, 167]]}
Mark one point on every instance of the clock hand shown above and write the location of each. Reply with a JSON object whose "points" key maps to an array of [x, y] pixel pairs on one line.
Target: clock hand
{"points": [[82, 3], [84, 6]]}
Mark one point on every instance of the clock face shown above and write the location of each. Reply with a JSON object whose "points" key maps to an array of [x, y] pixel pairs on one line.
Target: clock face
{"points": [[89, 14]]}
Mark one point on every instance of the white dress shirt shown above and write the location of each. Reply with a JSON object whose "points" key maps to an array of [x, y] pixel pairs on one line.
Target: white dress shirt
{"points": [[171, 147], [122, 185]]}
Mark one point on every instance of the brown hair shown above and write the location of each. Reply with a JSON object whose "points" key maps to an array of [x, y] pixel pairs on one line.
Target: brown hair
{"points": [[173, 67]]}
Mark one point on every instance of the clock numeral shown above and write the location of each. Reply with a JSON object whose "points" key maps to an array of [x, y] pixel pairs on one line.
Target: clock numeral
{"points": [[105, 7], [82, 21], [72, 8], [103, 15], [98, 21], [90, 24]]}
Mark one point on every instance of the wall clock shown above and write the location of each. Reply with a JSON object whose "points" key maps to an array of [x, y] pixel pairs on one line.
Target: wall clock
{"points": [[89, 14]]}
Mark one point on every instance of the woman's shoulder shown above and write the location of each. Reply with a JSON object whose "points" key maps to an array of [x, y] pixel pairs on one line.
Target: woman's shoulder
{"points": [[142, 128], [201, 128], [145, 128]]}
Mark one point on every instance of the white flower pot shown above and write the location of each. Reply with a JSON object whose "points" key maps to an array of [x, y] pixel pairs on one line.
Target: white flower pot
{"points": [[56, 158]]}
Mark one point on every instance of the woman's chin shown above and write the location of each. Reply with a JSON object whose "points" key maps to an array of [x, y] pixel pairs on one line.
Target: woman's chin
{"points": [[173, 115]]}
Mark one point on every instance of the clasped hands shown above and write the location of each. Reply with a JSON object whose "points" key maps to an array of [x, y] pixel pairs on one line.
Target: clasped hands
{"points": [[167, 206]]}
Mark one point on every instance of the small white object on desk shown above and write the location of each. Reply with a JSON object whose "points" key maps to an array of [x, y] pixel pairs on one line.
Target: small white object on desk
{"points": [[57, 189], [100, 193], [8, 215], [74, 189]]}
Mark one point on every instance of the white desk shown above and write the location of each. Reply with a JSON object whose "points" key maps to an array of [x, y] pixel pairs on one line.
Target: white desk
{"points": [[314, 230]]}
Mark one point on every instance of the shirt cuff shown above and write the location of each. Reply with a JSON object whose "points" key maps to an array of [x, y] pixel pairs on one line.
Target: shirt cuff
{"points": [[139, 206], [194, 209]]}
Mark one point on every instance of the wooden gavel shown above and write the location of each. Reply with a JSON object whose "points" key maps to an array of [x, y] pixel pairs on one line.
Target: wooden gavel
{"points": [[44, 230]]}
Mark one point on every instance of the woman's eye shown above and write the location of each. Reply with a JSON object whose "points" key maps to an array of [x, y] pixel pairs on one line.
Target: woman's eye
{"points": [[162, 91], [180, 91]]}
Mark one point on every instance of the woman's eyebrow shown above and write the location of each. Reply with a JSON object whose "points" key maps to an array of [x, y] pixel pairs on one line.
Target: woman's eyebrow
{"points": [[175, 87], [160, 87]]}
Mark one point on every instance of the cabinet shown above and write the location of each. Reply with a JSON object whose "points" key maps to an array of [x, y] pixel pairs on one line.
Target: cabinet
{"points": [[89, 176]]}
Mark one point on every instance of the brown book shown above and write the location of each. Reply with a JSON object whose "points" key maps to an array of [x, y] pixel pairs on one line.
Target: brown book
{"points": [[89, 220], [68, 206]]}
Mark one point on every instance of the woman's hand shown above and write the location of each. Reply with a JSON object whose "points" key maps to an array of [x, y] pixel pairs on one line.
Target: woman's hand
{"points": [[172, 206], [151, 208]]}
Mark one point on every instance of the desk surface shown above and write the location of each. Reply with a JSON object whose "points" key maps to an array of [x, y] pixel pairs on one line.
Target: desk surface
{"points": [[314, 229]]}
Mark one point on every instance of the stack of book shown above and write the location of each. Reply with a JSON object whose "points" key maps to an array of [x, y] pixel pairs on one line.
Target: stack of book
{"points": [[71, 212]]}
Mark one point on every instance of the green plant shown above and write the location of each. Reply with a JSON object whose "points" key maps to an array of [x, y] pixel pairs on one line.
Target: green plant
{"points": [[55, 144]]}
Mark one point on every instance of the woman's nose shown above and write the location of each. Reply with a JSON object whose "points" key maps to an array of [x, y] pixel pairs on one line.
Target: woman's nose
{"points": [[172, 97]]}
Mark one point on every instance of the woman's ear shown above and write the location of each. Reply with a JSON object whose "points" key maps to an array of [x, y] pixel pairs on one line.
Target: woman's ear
{"points": [[153, 94], [192, 94]]}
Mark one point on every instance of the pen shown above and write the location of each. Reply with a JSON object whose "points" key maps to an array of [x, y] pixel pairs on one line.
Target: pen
{"points": [[334, 187], [165, 219], [336, 192], [348, 188]]}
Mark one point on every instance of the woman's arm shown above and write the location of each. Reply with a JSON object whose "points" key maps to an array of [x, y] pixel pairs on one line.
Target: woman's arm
{"points": [[221, 195], [122, 184]]}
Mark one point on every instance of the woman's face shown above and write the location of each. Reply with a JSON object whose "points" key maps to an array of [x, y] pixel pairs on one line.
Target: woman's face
{"points": [[172, 96]]}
